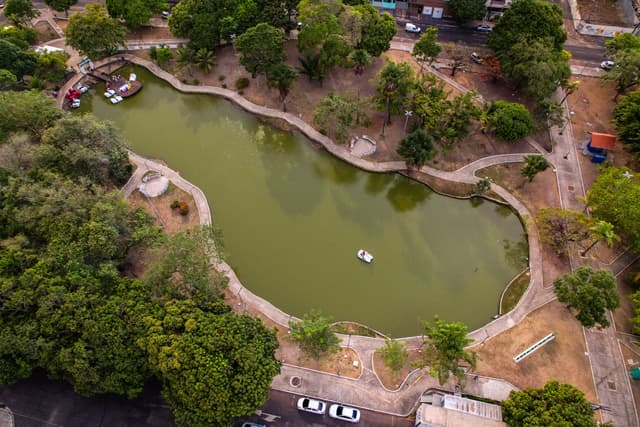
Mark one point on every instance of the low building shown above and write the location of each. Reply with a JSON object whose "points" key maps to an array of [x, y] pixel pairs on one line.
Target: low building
{"points": [[598, 146], [453, 411], [495, 8], [416, 9]]}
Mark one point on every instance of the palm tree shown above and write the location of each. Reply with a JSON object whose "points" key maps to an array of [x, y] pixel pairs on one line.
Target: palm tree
{"points": [[281, 76], [601, 231], [205, 59], [361, 58], [185, 58], [312, 67]]}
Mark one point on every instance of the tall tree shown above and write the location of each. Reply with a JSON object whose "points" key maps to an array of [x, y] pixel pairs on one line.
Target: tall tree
{"points": [[467, 10], [393, 86], [213, 365], [94, 33], [319, 20], [509, 120], [626, 119], [615, 197], [360, 58], [621, 42], [16, 60], [378, 30], [337, 114], [456, 56], [417, 148], [261, 47], [626, 72], [553, 405], [135, 12], [560, 227], [590, 293], [314, 335], [601, 231], [20, 12], [26, 112], [281, 76], [61, 5], [204, 59], [426, 48], [395, 355], [444, 350], [457, 121], [534, 164], [525, 21]]}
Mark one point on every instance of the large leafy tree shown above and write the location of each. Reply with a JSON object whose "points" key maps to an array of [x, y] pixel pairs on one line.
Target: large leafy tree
{"points": [[281, 76], [444, 349], [626, 119], [20, 12], [590, 293], [377, 31], [16, 60], [319, 20], [61, 5], [427, 48], [534, 164], [395, 355], [337, 114], [553, 405], [417, 148], [94, 33], [261, 47], [393, 86], [135, 12], [615, 198], [467, 10], [621, 42], [525, 21], [26, 112], [626, 72], [213, 365], [314, 335], [536, 67], [560, 227], [510, 121]]}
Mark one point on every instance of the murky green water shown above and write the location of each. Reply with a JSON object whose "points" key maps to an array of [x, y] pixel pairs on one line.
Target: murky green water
{"points": [[294, 217]]}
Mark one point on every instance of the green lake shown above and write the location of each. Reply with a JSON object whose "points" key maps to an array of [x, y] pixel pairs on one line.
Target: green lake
{"points": [[293, 217]]}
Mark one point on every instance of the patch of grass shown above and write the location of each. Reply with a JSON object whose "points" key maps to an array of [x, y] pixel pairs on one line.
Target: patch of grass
{"points": [[514, 292]]}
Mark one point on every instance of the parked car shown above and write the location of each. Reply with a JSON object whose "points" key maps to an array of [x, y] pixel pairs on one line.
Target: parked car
{"points": [[476, 58], [345, 413], [311, 405], [253, 425], [484, 28], [166, 14], [411, 28], [607, 65]]}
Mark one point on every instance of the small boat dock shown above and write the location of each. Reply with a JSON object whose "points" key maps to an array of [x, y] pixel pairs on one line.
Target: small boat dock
{"points": [[121, 86]]}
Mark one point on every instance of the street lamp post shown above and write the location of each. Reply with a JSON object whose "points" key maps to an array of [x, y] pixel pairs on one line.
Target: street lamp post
{"points": [[407, 114]]}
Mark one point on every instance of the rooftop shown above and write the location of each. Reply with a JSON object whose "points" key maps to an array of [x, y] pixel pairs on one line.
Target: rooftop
{"points": [[603, 140]]}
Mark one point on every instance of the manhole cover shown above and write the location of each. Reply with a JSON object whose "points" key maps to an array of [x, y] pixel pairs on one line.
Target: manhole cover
{"points": [[295, 381], [611, 385]]}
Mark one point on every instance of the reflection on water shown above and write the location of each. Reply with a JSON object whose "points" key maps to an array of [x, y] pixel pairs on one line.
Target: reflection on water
{"points": [[293, 218]]}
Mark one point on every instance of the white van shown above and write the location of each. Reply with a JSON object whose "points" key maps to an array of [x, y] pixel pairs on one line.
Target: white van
{"points": [[410, 28]]}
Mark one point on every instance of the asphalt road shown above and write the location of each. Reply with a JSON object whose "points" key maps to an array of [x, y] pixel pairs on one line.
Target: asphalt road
{"points": [[40, 402], [450, 31]]}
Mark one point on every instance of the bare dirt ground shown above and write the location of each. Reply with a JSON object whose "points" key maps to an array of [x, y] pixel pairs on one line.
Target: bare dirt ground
{"points": [[45, 32], [563, 359], [389, 379], [169, 219], [592, 105], [603, 12]]}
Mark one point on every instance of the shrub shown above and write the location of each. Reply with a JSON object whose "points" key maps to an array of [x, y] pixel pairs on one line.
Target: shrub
{"points": [[153, 53], [175, 204], [242, 83], [183, 208], [224, 85], [196, 82], [221, 77]]}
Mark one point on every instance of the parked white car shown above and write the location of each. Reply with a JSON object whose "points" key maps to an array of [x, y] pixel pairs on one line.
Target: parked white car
{"points": [[311, 405], [345, 413], [607, 65], [484, 28], [410, 28]]}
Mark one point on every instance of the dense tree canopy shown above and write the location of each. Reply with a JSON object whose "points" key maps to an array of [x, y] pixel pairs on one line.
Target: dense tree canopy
{"points": [[626, 119], [417, 148], [510, 121], [94, 33], [70, 305], [135, 12], [60, 5], [335, 115], [314, 335], [467, 10], [525, 21], [444, 349], [534, 164], [16, 60], [553, 405], [615, 198], [261, 47], [20, 12], [561, 227], [590, 293]]}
